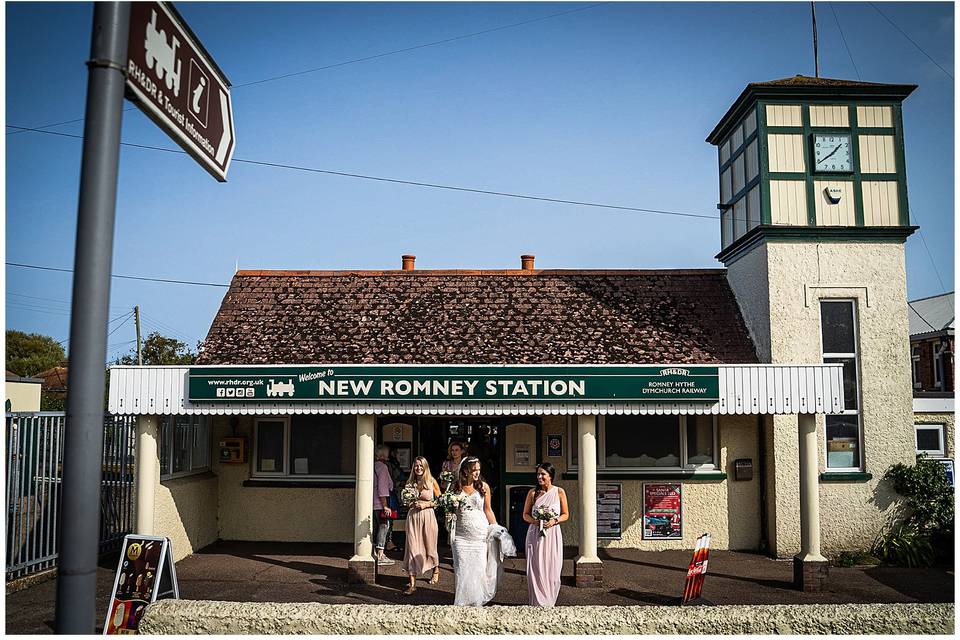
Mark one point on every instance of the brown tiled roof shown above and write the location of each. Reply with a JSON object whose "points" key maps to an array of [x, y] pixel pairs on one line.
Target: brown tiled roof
{"points": [[54, 378], [808, 81], [478, 317]]}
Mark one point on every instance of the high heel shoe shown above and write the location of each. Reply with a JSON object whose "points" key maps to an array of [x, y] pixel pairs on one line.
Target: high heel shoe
{"points": [[409, 590], [435, 578]]}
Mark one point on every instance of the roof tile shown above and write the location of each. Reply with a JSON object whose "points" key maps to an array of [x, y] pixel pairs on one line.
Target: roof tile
{"points": [[479, 317]]}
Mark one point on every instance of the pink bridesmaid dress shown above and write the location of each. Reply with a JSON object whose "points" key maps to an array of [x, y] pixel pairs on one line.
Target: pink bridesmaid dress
{"points": [[544, 555], [420, 555]]}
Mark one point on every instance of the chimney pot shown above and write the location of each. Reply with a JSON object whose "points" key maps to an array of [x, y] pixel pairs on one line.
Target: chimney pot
{"points": [[526, 262], [408, 262]]}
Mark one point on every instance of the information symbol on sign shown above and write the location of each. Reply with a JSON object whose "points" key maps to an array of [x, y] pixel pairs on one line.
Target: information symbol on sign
{"points": [[199, 94]]}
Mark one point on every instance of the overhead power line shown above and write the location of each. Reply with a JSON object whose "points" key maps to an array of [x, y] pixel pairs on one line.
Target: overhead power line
{"points": [[432, 185], [114, 275], [912, 41], [164, 327], [845, 45], [117, 328], [415, 183], [59, 303], [363, 59], [420, 46]]}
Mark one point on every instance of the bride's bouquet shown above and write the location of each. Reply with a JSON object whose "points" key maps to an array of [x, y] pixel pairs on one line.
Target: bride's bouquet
{"points": [[450, 502], [409, 495], [542, 514]]}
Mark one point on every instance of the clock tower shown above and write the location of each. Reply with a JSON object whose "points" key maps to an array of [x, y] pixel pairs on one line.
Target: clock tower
{"points": [[814, 154], [813, 224]]}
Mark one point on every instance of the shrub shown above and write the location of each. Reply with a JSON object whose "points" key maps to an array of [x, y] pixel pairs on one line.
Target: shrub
{"points": [[928, 492], [904, 546], [924, 529]]}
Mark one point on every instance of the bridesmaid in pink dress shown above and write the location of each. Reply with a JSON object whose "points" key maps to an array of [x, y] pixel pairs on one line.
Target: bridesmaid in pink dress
{"points": [[420, 555], [544, 552]]}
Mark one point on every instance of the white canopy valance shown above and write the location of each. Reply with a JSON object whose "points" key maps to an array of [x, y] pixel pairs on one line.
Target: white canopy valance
{"points": [[743, 389]]}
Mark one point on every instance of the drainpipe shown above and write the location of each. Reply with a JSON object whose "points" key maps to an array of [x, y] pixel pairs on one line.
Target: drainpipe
{"points": [[762, 477]]}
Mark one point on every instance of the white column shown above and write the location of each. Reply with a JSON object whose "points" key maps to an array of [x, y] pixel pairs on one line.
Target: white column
{"points": [[363, 496], [148, 471], [809, 490], [587, 433]]}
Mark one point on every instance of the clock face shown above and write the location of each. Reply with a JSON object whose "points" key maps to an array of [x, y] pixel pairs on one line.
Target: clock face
{"points": [[831, 152]]}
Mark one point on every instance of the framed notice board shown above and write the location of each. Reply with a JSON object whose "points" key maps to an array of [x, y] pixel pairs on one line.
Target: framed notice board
{"points": [[145, 572], [609, 510]]}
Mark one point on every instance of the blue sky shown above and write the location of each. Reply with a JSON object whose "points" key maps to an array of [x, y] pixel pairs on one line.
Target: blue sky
{"points": [[610, 104]]}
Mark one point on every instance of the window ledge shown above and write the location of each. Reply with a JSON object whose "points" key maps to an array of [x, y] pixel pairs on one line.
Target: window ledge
{"points": [[652, 475], [300, 484], [200, 474], [845, 476]]}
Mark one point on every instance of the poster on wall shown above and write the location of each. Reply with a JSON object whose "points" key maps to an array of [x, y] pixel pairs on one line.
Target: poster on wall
{"points": [[145, 572], [555, 445], [609, 509], [662, 511]]}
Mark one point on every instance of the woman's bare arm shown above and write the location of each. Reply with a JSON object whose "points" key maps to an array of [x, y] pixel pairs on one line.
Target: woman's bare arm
{"points": [[491, 519], [528, 508]]}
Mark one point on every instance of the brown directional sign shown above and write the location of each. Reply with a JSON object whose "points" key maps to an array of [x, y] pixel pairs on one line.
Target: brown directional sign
{"points": [[174, 81]]}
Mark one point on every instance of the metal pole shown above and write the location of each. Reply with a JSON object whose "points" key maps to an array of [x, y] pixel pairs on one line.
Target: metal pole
{"points": [[136, 316], [77, 581], [816, 56]]}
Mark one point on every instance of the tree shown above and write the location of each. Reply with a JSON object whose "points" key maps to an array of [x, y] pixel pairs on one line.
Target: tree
{"points": [[158, 349], [31, 353]]}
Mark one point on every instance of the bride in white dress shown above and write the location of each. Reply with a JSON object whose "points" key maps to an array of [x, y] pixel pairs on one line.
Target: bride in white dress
{"points": [[479, 543]]}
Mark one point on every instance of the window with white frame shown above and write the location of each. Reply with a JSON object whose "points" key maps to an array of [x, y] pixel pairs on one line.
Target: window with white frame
{"points": [[651, 442], [838, 326], [184, 445], [930, 439], [305, 447]]}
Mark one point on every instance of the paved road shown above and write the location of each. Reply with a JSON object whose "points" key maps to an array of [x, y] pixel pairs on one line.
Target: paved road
{"points": [[307, 572]]}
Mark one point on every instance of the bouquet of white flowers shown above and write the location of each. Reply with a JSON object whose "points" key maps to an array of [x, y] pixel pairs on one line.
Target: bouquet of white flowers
{"points": [[543, 514], [450, 502], [409, 495], [446, 476]]}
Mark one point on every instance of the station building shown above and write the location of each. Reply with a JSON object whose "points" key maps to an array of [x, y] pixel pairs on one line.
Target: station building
{"points": [[761, 402]]}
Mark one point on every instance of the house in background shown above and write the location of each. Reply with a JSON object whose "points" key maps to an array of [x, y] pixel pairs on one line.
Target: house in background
{"points": [[23, 394], [54, 388], [931, 349]]}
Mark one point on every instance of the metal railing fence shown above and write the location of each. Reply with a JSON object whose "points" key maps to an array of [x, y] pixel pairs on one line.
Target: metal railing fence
{"points": [[34, 466]]}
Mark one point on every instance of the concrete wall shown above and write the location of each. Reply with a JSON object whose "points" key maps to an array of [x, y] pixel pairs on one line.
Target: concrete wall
{"points": [[185, 510], [786, 328], [729, 510], [282, 514], [209, 617]]}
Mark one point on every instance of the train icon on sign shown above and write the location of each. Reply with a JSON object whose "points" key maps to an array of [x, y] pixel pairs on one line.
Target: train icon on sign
{"points": [[163, 55], [280, 389]]}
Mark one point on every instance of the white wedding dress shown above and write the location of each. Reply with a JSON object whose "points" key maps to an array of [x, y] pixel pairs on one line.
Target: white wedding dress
{"points": [[478, 552]]}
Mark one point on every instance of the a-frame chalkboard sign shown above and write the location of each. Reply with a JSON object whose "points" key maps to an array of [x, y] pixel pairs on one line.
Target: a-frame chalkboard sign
{"points": [[145, 573]]}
